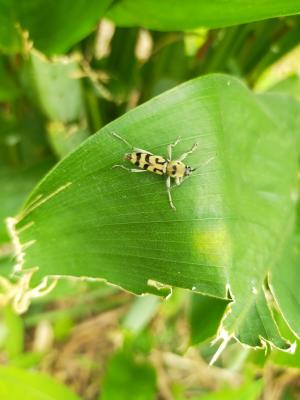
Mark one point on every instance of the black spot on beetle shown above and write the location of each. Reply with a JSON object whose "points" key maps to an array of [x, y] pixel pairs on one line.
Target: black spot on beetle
{"points": [[162, 162], [138, 157]]}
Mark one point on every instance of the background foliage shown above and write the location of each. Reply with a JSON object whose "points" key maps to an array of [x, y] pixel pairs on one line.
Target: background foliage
{"points": [[69, 70]]}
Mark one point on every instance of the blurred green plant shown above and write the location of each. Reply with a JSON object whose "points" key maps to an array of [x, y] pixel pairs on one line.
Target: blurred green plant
{"points": [[31, 386]]}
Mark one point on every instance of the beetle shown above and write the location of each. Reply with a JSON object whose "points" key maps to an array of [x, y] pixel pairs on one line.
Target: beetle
{"points": [[146, 161]]}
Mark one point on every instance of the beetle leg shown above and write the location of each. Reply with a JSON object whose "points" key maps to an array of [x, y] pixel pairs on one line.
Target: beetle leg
{"points": [[178, 180], [168, 184], [170, 147], [184, 155], [129, 169]]}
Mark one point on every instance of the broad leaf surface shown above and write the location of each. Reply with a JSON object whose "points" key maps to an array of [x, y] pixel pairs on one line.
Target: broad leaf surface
{"points": [[176, 15], [234, 214]]}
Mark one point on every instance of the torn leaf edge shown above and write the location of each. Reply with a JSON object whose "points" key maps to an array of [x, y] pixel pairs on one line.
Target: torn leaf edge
{"points": [[225, 336]]}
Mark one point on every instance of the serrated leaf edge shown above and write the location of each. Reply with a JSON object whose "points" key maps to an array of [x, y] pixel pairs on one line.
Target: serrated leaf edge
{"points": [[225, 336]]}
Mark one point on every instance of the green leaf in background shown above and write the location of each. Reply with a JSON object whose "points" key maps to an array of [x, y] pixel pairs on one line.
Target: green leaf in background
{"points": [[282, 74], [283, 46], [284, 279], [54, 26], [59, 95], [16, 384], [233, 218], [204, 315], [285, 283], [248, 391], [16, 184], [8, 87], [140, 314], [280, 358], [10, 35], [255, 316], [175, 15], [128, 379], [291, 86], [6, 261], [58, 91], [13, 338]]}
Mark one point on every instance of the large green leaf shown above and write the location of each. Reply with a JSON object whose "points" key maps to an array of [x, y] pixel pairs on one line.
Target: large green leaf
{"points": [[233, 215], [54, 26], [176, 15]]}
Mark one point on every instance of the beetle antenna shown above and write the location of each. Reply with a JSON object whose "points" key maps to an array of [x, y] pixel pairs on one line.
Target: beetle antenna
{"points": [[122, 139], [208, 161], [205, 163]]}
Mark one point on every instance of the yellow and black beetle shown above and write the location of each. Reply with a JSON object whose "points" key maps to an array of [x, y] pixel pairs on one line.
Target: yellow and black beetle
{"points": [[147, 161]]}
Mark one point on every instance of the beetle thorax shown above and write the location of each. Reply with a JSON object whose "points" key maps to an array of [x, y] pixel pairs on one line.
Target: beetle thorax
{"points": [[176, 169]]}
